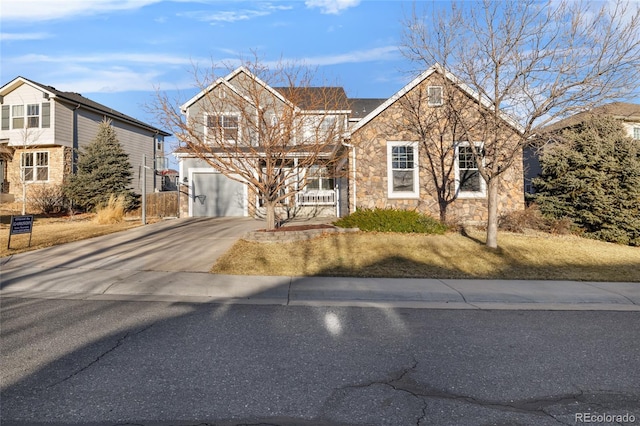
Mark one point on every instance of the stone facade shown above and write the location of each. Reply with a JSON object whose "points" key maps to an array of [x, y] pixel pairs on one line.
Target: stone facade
{"points": [[59, 166], [370, 142]]}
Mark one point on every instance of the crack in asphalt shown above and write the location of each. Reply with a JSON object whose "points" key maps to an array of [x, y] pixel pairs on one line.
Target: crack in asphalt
{"points": [[536, 406], [402, 382], [118, 343]]}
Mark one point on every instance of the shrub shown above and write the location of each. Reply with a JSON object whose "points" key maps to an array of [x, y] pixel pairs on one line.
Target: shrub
{"points": [[47, 198], [532, 218], [112, 211], [391, 220]]}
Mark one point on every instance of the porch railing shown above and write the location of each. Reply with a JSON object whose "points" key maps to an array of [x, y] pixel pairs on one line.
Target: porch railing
{"points": [[325, 198]]}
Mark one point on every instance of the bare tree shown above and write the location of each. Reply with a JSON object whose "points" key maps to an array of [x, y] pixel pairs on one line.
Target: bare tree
{"points": [[438, 128], [266, 126], [529, 63], [30, 162]]}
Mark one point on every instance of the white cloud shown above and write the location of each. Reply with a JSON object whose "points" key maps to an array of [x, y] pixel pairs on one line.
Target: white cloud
{"points": [[231, 16], [331, 7], [23, 36], [111, 81], [45, 10], [132, 58], [375, 54]]}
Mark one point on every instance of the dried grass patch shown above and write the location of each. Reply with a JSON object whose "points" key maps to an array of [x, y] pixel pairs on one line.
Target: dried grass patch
{"points": [[545, 256], [112, 212], [53, 231]]}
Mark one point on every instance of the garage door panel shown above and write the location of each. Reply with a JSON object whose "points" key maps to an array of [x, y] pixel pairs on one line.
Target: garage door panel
{"points": [[217, 195]]}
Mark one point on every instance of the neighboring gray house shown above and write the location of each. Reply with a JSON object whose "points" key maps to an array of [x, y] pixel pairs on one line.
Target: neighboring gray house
{"points": [[627, 113], [42, 126]]}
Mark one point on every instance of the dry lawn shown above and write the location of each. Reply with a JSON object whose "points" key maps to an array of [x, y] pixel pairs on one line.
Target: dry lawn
{"points": [[53, 231], [437, 256]]}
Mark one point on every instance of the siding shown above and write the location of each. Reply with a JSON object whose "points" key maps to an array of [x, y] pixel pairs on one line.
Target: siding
{"points": [[24, 95], [62, 119], [134, 141]]}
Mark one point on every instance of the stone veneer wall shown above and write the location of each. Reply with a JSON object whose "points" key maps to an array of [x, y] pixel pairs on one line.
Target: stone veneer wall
{"points": [[59, 168], [371, 175]]}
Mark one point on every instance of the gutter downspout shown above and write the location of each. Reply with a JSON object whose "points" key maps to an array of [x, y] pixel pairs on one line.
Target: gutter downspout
{"points": [[75, 142]]}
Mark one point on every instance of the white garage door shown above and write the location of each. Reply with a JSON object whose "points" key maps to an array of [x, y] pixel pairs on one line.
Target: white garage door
{"points": [[217, 195]]}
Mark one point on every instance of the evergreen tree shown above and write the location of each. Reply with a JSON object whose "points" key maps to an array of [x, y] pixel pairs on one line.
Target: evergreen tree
{"points": [[592, 176], [103, 170]]}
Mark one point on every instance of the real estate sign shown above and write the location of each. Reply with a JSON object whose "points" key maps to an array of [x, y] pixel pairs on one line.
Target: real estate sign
{"points": [[21, 225]]}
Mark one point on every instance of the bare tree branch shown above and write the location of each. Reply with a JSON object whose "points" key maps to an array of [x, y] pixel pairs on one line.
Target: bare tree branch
{"points": [[537, 62], [263, 126]]}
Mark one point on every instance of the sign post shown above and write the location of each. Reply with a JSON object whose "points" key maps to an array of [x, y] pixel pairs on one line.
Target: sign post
{"points": [[21, 225]]}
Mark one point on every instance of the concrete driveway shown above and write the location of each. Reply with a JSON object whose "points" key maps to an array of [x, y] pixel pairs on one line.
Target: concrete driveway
{"points": [[178, 245]]}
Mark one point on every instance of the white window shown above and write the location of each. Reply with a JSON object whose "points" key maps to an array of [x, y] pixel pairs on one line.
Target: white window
{"points": [[469, 182], [636, 133], [35, 166], [319, 178], [434, 95], [33, 116], [37, 116], [402, 170], [17, 112], [222, 128]]}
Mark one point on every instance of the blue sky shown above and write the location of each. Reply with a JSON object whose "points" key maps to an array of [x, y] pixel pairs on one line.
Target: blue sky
{"points": [[116, 51]]}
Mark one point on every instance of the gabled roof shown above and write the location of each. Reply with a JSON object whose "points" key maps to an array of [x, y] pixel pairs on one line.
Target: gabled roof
{"points": [[78, 99], [619, 110], [226, 79], [423, 76]]}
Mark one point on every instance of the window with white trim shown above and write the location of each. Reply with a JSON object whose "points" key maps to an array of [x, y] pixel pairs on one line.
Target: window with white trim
{"points": [[636, 133], [222, 128], [17, 113], [434, 95], [469, 182], [402, 170], [319, 178], [35, 166], [30, 116], [33, 116]]}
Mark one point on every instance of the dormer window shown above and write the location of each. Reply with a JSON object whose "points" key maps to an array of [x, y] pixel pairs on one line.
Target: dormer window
{"points": [[434, 95]]}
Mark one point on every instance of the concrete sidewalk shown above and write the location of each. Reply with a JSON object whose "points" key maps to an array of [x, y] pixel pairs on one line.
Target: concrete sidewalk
{"points": [[170, 260], [200, 287]]}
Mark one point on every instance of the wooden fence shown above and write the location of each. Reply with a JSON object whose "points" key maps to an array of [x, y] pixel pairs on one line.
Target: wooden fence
{"points": [[160, 204]]}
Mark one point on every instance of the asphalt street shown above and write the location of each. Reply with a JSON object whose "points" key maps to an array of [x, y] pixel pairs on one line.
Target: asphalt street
{"points": [[161, 363]]}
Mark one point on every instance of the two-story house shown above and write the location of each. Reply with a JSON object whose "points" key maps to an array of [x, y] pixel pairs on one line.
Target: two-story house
{"points": [[42, 129], [275, 144], [372, 160]]}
